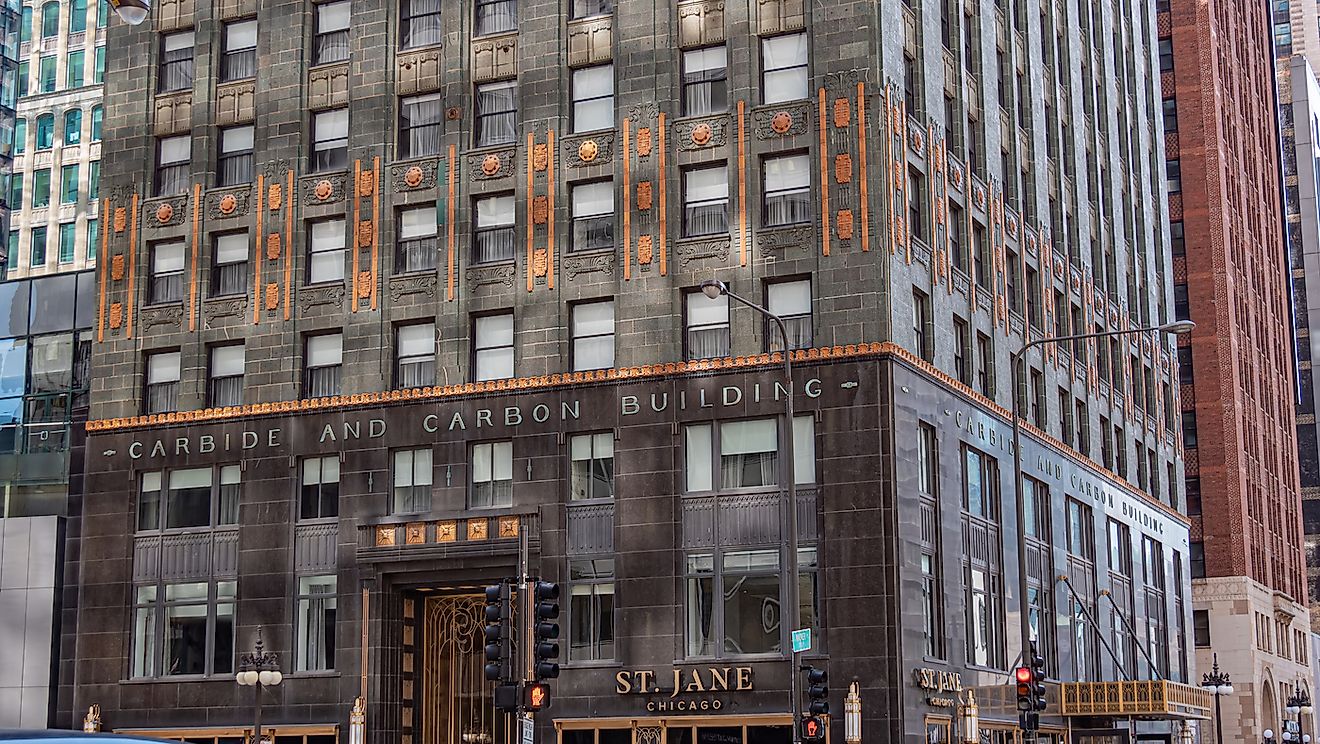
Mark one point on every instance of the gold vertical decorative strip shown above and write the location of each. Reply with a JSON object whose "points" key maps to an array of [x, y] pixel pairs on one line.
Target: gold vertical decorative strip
{"points": [[889, 182], [192, 274], [357, 216], [664, 193], [742, 183], [530, 192], [550, 217], [103, 266], [260, 252], [627, 201], [449, 224], [861, 167], [132, 263], [366, 623], [375, 230], [288, 251], [824, 180]]}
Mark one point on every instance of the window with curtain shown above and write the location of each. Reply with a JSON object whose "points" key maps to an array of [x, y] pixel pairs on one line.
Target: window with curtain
{"points": [[787, 189], [497, 113], [421, 124], [38, 247], [330, 140], [419, 23], [591, 609], [590, 8], [791, 301], [72, 126], [240, 51], [69, 184], [326, 251], [593, 98], [46, 74], [412, 481], [166, 272], [748, 454], [314, 649], [320, 488], [50, 20], [98, 115], [45, 131], [68, 241], [593, 216], [323, 362], [234, 165], [172, 159], [706, 200], [492, 347], [705, 81], [162, 392], [41, 187], [492, 475], [176, 62], [192, 628], [73, 69], [77, 16], [492, 236], [495, 17], [20, 136], [331, 41], [784, 68], [707, 324], [593, 335], [415, 249], [591, 461], [414, 353], [229, 264], [225, 387]]}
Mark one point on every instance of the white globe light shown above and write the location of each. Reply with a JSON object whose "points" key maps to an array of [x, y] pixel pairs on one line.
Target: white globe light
{"points": [[239, 677], [249, 678], [1226, 689], [132, 12], [265, 677], [1307, 710], [1268, 733], [276, 677]]}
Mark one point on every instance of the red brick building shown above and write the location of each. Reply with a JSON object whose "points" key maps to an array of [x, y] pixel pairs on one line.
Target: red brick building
{"points": [[1231, 277]]}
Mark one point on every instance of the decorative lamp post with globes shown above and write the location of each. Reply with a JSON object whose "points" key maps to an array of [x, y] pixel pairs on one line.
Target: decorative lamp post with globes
{"points": [[257, 669], [1299, 704], [1218, 684]]}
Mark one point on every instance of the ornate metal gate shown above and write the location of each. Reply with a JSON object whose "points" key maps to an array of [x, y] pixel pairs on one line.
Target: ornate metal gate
{"points": [[456, 702]]}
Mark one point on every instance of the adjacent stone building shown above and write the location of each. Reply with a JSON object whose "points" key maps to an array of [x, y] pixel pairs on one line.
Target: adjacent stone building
{"points": [[390, 285]]}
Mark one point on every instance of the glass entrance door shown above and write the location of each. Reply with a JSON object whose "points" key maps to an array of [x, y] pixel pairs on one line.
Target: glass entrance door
{"points": [[456, 699]]}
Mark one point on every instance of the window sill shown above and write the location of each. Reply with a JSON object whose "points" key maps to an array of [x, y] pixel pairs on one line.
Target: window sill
{"points": [[608, 250], [327, 283], [494, 34], [164, 303], [705, 237], [227, 295], [249, 79], [593, 664], [327, 674], [786, 225], [176, 678], [415, 272], [419, 47], [487, 264], [331, 63]]}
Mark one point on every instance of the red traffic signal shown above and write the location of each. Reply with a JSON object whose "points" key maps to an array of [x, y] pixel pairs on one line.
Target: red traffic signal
{"points": [[813, 729], [1024, 678], [536, 696], [1024, 675]]}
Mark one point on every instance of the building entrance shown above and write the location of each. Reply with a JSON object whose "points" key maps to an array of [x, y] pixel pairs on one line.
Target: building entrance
{"points": [[759, 729], [456, 699]]}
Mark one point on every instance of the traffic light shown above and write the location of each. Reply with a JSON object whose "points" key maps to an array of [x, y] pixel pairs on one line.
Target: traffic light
{"points": [[813, 729], [498, 632], [818, 691], [545, 631], [536, 696], [1025, 702], [1037, 665]]}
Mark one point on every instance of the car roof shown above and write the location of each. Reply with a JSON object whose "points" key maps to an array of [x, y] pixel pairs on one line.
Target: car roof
{"points": [[72, 737]]}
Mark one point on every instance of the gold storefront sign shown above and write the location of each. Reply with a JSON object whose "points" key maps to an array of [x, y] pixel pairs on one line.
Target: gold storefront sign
{"points": [[936, 680], [675, 688]]}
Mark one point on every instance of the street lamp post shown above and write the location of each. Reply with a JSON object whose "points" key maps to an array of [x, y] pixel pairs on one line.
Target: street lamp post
{"points": [[1299, 704], [1217, 683], [1177, 327], [256, 669], [131, 12], [713, 288]]}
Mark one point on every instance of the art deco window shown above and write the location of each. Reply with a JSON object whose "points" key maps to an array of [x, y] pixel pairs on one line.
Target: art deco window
{"points": [[240, 54], [497, 113], [326, 251], [745, 454], [707, 326], [176, 62], [791, 301], [330, 140], [492, 347], [229, 264], [415, 249], [492, 238], [492, 475], [324, 362], [495, 17], [593, 216], [421, 124], [414, 355], [706, 201], [197, 497], [705, 81], [319, 492], [172, 157], [331, 41], [314, 646], [166, 272], [591, 460], [225, 378], [784, 68], [591, 609], [412, 482], [787, 188], [419, 23], [235, 162], [593, 335], [593, 98]]}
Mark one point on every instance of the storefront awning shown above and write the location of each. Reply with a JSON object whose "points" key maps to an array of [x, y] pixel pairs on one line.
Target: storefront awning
{"points": [[1152, 699]]}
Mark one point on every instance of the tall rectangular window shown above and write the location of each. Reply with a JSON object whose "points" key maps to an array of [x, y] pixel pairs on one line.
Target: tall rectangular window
{"points": [[73, 68], [331, 41], [68, 241], [497, 113], [98, 69], [787, 190], [229, 264], [422, 123], [706, 200], [172, 158], [93, 239], [962, 351], [176, 62], [323, 362], [46, 74], [593, 98], [791, 301], [166, 272], [985, 365], [415, 249], [319, 488], [314, 647], [705, 81], [325, 251], [707, 326], [591, 609], [162, 392], [784, 68], [69, 184], [916, 203], [492, 347], [235, 161], [593, 335], [492, 475], [225, 377], [240, 55], [495, 17], [41, 187], [330, 140], [94, 180], [492, 236], [38, 247], [412, 481], [77, 16], [593, 216], [591, 458], [414, 353], [922, 342], [419, 23]]}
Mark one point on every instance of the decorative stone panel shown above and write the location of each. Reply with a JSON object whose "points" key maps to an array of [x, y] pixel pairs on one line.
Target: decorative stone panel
{"points": [[700, 23], [702, 250], [576, 264], [590, 41], [777, 16], [214, 311], [324, 188], [327, 87], [231, 9], [226, 203], [413, 176], [494, 58], [331, 295], [418, 72], [234, 103], [171, 15], [173, 114], [594, 149]]}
